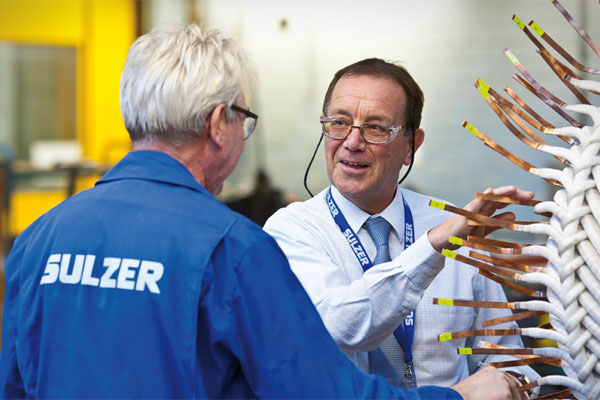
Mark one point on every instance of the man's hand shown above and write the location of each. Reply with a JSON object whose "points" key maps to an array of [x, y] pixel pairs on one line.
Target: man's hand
{"points": [[490, 384], [457, 224]]}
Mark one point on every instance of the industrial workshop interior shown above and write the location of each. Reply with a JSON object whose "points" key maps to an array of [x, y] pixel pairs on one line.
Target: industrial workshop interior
{"points": [[61, 127]]}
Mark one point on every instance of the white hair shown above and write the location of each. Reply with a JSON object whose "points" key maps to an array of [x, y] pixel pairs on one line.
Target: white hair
{"points": [[174, 77]]}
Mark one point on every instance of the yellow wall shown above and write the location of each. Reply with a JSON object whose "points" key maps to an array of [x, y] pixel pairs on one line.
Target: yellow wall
{"points": [[101, 31]]}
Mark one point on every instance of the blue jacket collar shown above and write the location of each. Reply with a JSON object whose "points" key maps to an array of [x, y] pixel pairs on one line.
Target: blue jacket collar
{"points": [[154, 166]]}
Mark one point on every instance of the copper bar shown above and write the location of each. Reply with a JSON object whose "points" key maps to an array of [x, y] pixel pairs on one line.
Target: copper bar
{"points": [[505, 103], [517, 120], [512, 285], [501, 150], [474, 303], [481, 332], [561, 71], [537, 139], [490, 221], [530, 79], [473, 222], [509, 125], [536, 42], [526, 107], [486, 267], [574, 24], [527, 387], [562, 394], [513, 317], [565, 54], [507, 351], [487, 345], [510, 200], [557, 67], [549, 102], [500, 263], [555, 362], [498, 243], [491, 249], [505, 199]]}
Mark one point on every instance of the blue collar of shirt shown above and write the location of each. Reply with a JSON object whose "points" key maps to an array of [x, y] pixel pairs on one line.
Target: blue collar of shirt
{"points": [[154, 166], [356, 217]]}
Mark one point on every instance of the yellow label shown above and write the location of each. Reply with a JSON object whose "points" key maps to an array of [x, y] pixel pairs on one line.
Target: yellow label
{"points": [[518, 22], [446, 302], [483, 91], [465, 350], [471, 129], [437, 204], [455, 240], [511, 57], [536, 28], [445, 336], [448, 253], [483, 84]]}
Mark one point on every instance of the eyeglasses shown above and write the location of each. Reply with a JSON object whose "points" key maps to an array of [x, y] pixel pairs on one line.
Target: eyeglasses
{"points": [[372, 132], [249, 121]]}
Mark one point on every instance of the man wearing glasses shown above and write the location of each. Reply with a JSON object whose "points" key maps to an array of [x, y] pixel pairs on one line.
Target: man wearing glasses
{"points": [[368, 251], [146, 286]]}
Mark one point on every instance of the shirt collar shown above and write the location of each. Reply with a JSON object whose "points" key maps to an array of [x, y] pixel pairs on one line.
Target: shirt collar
{"points": [[356, 217], [154, 166]]}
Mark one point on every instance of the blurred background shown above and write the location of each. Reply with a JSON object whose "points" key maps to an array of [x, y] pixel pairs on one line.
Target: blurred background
{"points": [[60, 63]]}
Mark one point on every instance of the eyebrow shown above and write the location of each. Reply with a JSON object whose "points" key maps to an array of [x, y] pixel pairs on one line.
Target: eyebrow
{"points": [[369, 118]]}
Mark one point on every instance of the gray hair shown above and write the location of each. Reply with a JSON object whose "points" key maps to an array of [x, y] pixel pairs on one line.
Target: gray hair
{"points": [[174, 77]]}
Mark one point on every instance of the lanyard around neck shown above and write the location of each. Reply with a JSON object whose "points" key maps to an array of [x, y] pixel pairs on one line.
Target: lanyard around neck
{"points": [[353, 239]]}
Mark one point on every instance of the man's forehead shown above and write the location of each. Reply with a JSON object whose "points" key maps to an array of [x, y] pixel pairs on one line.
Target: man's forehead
{"points": [[376, 95]]}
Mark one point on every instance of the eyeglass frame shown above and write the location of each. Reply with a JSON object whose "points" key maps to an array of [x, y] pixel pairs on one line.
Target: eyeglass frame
{"points": [[248, 114], [392, 130]]}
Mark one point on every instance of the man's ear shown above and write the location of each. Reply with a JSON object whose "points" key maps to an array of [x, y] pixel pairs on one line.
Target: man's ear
{"points": [[216, 124], [418, 136]]}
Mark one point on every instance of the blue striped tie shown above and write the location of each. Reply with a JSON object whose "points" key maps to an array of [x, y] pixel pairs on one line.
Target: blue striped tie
{"points": [[388, 359]]}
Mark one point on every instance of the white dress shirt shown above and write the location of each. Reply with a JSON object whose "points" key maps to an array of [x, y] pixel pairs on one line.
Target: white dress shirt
{"points": [[361, 309]]}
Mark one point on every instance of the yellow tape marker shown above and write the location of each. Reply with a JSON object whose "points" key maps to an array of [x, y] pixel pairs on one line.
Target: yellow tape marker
{"points": [[448, 253], [445, 336], [536, 28], [519, 23], [455, 240], [465, 350], [483, 92], [483, 84], [445, 302], [437, 204], [512, 57], [471, 129]]}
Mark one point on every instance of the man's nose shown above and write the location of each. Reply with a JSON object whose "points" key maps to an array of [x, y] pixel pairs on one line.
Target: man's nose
{"points": [[355, 140]]}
